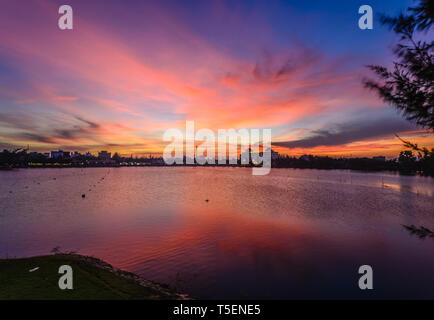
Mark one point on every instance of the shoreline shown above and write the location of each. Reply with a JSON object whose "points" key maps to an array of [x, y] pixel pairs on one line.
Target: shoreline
{"points": [[394, 172], [37, 278]]}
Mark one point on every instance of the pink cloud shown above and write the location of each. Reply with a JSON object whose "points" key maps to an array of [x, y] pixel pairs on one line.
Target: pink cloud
{"points": [[135, 88]]}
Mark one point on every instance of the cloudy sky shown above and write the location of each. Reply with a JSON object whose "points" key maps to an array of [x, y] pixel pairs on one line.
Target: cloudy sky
{"points": [[131, 69]]}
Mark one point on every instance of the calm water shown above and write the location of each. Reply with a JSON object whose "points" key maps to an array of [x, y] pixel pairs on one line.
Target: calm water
{"points": [[291, 234]]}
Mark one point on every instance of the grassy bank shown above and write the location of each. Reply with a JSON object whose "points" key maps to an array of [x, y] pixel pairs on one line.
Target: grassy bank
{"points": [[92, 279]]}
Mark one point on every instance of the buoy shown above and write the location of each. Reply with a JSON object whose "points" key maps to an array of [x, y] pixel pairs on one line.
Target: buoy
{"points": [[83, 195]]}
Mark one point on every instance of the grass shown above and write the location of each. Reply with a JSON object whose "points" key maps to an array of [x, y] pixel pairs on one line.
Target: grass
{"points": [[92, 279]]}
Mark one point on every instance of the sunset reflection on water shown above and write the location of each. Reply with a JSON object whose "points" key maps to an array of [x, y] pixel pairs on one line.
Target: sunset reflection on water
{"points": [[292, 234]]}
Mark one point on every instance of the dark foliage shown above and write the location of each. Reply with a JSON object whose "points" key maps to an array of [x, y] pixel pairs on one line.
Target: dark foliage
{"points": [[421, 232], [409, 86]]}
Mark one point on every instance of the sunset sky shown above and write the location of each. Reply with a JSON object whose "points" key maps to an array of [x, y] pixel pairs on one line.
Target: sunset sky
{"points": [[132, 69]]}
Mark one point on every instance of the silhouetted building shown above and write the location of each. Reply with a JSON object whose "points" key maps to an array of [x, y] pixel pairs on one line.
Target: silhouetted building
{"points": [[104, 155], [59, 154], [245, 157]]}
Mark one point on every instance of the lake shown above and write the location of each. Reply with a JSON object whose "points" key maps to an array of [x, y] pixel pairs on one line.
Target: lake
{"points": [[292, 234]]}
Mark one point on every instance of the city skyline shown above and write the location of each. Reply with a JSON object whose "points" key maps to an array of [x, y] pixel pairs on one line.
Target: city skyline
{"points": [[97, 154]]}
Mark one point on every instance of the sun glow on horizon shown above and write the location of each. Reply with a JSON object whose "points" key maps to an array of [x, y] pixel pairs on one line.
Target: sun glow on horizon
{"points": [[117, 83]]}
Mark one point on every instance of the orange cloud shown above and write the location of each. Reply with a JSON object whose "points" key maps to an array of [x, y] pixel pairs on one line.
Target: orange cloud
{"points": [[137, 87]]}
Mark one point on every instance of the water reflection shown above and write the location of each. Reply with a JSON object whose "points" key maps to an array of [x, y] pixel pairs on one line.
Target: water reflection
{"points": [[292, 234], [421, 232]]}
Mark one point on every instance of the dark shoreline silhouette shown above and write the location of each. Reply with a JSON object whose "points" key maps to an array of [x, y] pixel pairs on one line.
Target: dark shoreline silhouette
{"points": [[405, 164]]}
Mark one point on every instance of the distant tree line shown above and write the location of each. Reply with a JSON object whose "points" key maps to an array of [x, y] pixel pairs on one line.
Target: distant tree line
{"points": [[407, 162], [13, 158]]}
